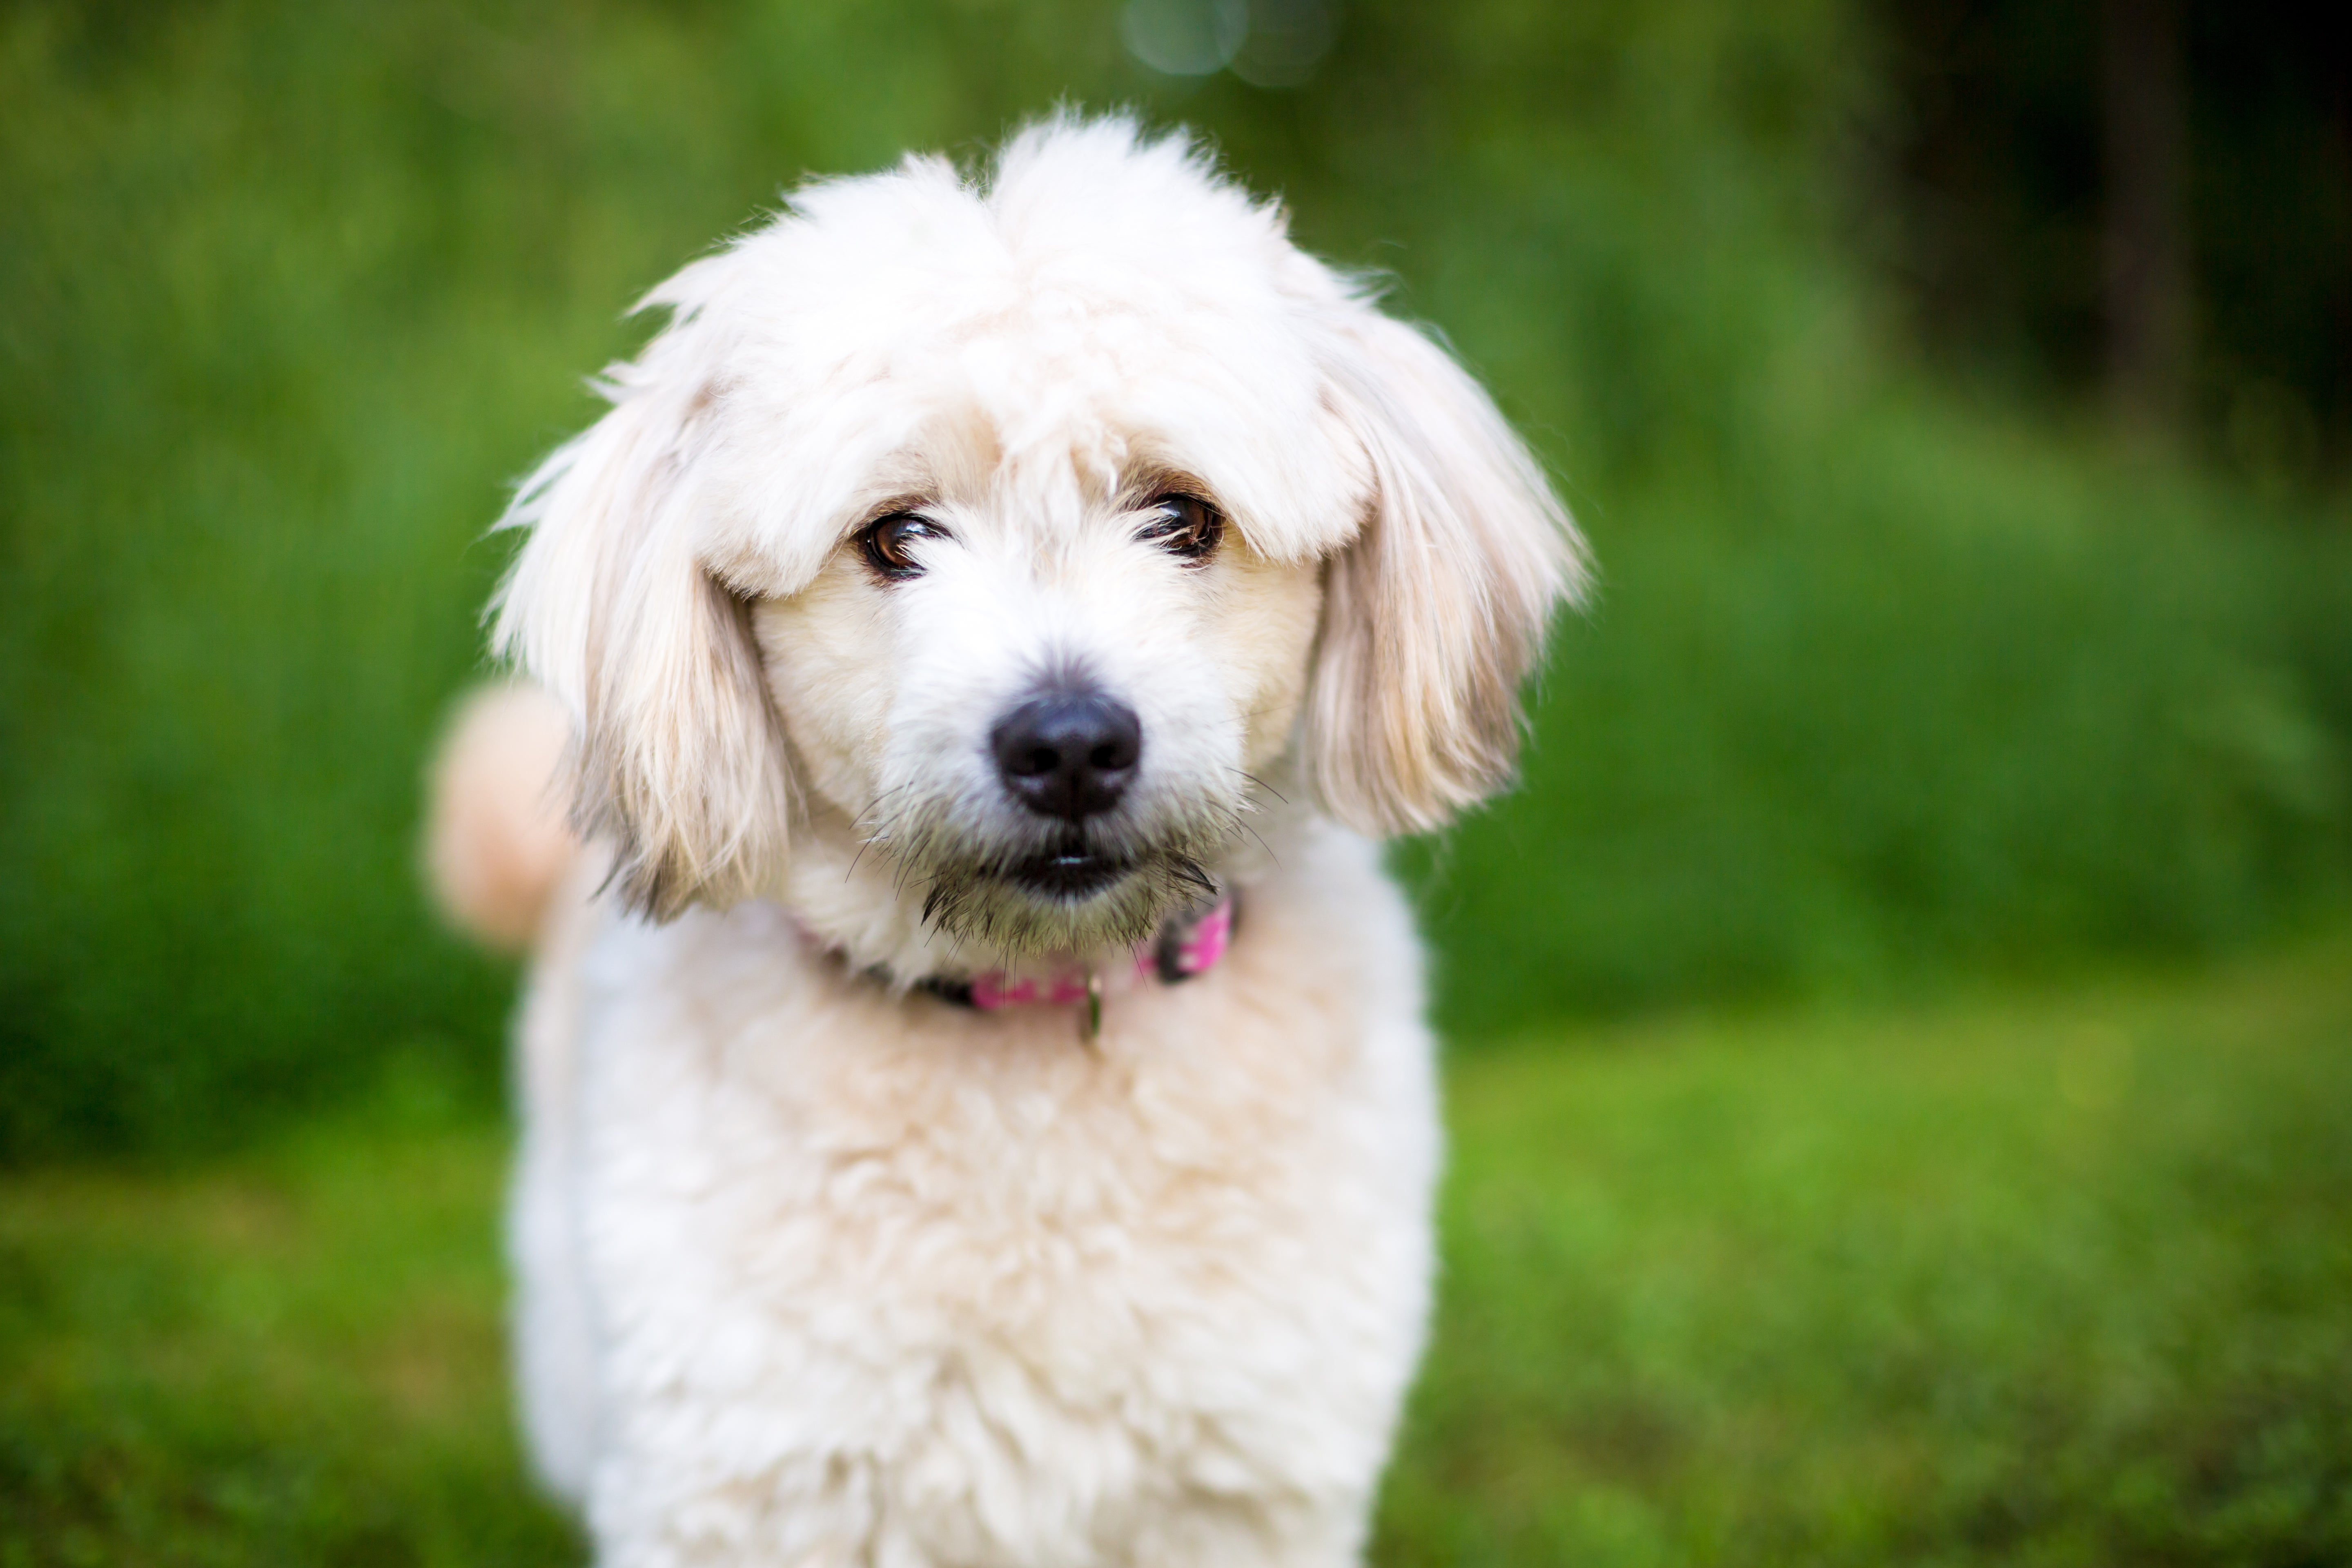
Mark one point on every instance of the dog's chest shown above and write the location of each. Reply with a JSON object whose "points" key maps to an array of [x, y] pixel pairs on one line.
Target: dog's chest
{"points": [[868, 1225]]}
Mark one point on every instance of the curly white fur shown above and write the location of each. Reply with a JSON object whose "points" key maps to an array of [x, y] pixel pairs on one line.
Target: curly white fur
{"points": [[819, 1271]]}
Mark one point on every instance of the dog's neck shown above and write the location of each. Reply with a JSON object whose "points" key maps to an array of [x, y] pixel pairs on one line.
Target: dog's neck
{"points": [[847, 899]]}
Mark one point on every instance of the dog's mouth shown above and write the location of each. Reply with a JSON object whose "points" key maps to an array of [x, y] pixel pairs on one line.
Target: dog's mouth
{"points": [[1072, 891], [1071, 872]]}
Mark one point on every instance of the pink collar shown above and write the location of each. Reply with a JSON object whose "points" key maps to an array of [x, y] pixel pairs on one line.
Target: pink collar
{"points": [[1183, 950], [1187, 946]]}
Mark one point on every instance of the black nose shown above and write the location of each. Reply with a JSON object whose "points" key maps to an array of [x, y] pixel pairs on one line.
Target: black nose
{"points": [[1069, 754]]}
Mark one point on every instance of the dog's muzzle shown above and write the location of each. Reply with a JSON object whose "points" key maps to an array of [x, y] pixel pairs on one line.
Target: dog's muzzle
{"points": [[1068, 755]]}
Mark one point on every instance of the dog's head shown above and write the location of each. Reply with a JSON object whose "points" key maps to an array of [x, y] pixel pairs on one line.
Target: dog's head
{"points": [[1015, 526]]}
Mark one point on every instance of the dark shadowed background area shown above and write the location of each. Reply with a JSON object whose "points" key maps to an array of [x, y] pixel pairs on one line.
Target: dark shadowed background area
{"points": [[1957, 396]]}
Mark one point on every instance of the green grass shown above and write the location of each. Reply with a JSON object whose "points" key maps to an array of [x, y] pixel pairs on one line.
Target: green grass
{"points": [[294, 1357], [2061, 1277], [2054, 1278]]}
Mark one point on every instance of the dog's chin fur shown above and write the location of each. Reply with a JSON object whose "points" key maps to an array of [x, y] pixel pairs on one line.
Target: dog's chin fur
{"points": [[980, 905], [818, 1269], [978, 899], [856, 899]]}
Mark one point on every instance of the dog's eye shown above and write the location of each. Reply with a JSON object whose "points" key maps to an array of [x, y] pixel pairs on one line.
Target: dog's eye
{"points": [[1185, 526], [888, 543]]}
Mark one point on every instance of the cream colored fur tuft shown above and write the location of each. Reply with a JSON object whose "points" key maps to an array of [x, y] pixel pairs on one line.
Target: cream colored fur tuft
{"points": [[1437, 612], [497, 844]]}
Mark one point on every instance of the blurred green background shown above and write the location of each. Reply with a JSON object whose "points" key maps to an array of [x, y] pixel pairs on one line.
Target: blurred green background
{"points": [[1957, 396], [1902, 664]]}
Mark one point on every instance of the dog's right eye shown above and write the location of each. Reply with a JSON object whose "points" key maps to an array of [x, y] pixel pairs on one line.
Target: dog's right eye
{"points": [[1185, 526], [888, 544]]}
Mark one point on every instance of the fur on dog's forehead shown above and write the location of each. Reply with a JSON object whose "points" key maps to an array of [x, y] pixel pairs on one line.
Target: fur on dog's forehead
{"points": [[1102, 308]]}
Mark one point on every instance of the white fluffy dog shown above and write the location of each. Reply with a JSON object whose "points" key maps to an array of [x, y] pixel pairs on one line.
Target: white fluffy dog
{"points": [[978, 1109]]}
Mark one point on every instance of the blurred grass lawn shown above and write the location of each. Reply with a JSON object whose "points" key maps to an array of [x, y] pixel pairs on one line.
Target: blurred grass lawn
{"points": [[2058, 1276]]}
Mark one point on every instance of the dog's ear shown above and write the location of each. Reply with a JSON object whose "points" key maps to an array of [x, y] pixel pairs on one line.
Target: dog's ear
{"points": [[677, 759], [1437, 609]]}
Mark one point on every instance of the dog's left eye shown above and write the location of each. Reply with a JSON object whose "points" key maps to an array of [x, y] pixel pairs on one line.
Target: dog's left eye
{"points": [[1185, 526], [888, 543]]}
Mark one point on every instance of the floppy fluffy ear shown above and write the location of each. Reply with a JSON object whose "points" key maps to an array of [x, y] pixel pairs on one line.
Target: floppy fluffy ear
{"points": [[677, 757], [1437, 610]]}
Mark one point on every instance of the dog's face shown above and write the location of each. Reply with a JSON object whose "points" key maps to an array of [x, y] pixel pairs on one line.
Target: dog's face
{"points": [[1014, 530], [1041, 695]]}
